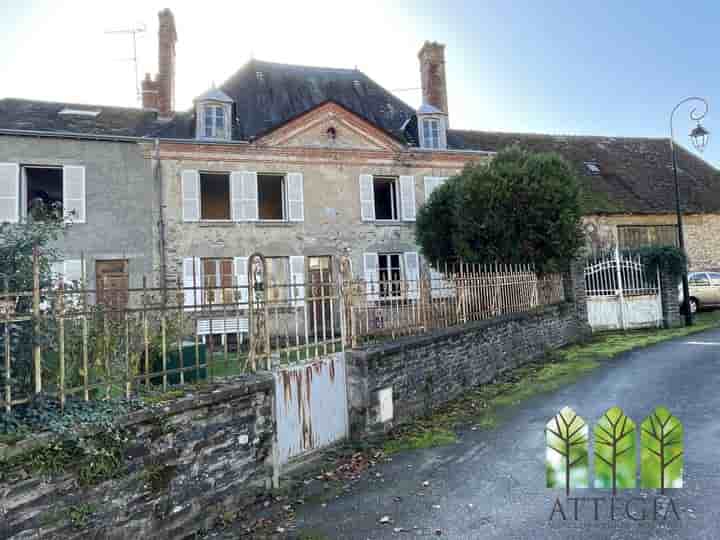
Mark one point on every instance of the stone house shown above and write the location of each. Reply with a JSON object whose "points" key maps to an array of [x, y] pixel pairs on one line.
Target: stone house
{"points": [[305, 164]]}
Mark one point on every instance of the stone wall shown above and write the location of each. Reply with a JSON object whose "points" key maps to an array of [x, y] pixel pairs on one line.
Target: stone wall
{"points": [[185, 464], [702, 240], [423, 372]]}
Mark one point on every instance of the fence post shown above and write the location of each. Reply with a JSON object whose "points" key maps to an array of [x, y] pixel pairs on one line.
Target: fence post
{"points": [[573, 282], [619, 292], [8, 378], [669, 299], [37, 359]]}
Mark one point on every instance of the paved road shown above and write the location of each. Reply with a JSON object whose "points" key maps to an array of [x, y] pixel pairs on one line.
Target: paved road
{"points": [[491, 484]]}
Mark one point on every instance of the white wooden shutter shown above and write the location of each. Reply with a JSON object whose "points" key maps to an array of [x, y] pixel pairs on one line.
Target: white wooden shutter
{"points": [[192, 281], [249, 196], [371, 264], [296, 211], [191, 195], [367, 198], [432, 183], [240, 269], [236, 200], [412, 273], [72, 271], [74, 193], [297, 278], [9, 192], [407, 197]]}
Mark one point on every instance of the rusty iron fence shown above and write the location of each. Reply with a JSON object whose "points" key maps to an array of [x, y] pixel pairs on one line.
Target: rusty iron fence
{"points": [[71, 341], [459, 293]]}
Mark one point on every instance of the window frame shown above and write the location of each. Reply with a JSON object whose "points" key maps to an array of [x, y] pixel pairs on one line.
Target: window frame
{"points": [[224, 290], [622, 241], [210, 131], [384, 285], [431, 128], [229, 219], [24, 187], [395, 202], [284, 195]]}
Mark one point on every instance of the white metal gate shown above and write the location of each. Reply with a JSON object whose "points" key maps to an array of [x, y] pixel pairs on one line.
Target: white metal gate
{"points": [[620, 294], [311, 406]]}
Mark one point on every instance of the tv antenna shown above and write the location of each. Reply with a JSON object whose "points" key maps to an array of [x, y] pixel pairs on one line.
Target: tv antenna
{"points": [[134, 31]]}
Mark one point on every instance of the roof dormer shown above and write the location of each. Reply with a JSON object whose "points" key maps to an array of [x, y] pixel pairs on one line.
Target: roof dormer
{"points": [[432, 128], [213, 113]]}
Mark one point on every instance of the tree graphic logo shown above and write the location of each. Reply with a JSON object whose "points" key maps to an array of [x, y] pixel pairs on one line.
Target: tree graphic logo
{"points": [[614, 450], [662, 451], [614, 447], [566, 455]]}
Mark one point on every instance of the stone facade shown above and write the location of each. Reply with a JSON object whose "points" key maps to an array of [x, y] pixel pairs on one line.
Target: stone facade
{"points": [[702, 240], [424, 372], [121, 212], [332, 224], [186, 464]]}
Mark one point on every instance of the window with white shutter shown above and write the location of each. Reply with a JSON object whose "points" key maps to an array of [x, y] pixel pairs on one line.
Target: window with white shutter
{"points": [[297, 279], [432, 183], [407, 196], [191, 195], [412, 273], [367, 198], [241, 278], [370, 266], [73, 193], [249, 196], [192, 281], [9, 192], [296, 210], [236, 196]]}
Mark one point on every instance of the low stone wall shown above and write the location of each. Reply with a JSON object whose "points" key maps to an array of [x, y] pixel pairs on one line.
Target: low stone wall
{"points": [[393, 382], [185, 464]]}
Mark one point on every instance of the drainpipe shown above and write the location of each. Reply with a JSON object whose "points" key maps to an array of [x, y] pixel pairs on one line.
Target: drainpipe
{"points": [[157, 176]]}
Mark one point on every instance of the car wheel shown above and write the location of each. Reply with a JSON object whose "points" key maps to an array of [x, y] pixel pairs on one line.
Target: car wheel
{"points": [[693, 305]]}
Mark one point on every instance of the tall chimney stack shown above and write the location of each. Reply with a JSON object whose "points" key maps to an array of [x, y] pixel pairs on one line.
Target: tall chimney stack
{"points": [[167, 37], [432, 75]]}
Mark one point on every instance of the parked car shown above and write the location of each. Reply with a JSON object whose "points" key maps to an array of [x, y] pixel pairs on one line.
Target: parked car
{"points": [[704, 290]]}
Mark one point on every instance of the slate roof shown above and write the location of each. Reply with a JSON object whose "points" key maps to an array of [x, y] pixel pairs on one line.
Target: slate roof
{"points": [[44, 116], [635, 174], [268, 94]]}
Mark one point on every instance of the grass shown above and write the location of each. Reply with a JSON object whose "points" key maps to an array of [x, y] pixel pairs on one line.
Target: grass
{"points": [[481, 407]]}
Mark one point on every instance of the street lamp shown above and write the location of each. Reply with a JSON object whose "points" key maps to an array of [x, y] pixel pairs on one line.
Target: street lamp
{"points": [[699, 136]]}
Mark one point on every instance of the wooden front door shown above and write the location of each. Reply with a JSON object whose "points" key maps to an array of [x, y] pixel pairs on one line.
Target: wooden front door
{"points": [[320, 290], [112, 282]]}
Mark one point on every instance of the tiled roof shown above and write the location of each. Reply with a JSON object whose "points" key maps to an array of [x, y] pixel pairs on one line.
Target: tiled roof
{"points": [[618, 174]]}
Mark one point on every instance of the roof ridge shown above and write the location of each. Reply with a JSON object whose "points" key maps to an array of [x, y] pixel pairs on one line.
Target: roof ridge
{"points": [[304, 66], [574, 136]]}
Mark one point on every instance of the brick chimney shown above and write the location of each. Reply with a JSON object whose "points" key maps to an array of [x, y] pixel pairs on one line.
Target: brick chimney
{"points": [[432, 75], [160, 93]]}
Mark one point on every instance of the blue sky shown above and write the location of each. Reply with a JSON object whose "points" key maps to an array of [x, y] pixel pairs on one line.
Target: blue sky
{"points": [[614, 68]]}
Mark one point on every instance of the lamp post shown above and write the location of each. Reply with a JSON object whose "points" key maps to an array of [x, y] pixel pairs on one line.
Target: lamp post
{"points": [[699, 136]]}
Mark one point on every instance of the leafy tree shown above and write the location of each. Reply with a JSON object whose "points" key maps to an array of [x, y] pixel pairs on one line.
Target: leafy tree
{"points": [[17, 242], [521, 207], [615, 450]]}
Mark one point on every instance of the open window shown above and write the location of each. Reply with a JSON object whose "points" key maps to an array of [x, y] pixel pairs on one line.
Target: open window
{"points": [[385, 197], [215, 196], [43, 191], [272, 197]]}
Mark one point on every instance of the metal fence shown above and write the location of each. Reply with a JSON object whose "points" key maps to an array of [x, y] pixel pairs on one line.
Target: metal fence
{"points": [[70, 341]]}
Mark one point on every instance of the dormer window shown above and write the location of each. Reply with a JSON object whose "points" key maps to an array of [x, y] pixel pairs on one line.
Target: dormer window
{"points": [[215, 122], [432, 125], [213, 113], [431, 132]]}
